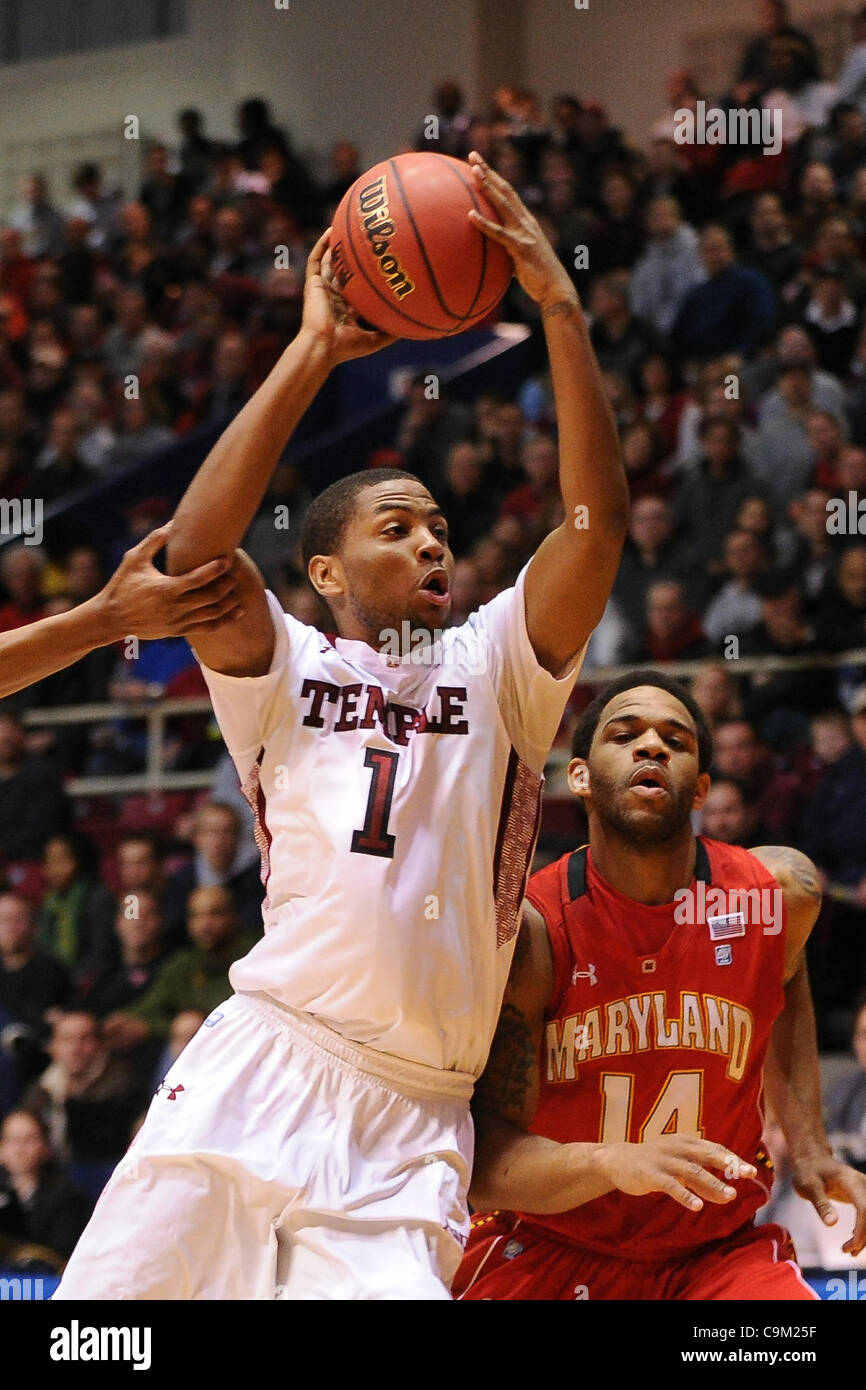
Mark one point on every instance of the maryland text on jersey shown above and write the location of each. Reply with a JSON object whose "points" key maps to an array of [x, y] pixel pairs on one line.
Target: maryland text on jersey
{"points": [[644, 1023]]}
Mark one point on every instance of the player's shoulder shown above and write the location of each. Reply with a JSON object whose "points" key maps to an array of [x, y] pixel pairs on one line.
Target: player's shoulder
{"points": [[794, 872], [561, 881]]}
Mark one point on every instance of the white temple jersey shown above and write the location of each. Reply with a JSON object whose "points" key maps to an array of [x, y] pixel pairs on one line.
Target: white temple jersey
{"points": [[397, 808]]}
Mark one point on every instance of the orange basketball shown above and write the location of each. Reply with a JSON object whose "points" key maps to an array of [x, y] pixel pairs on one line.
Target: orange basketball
{"points": [[405, 255]]}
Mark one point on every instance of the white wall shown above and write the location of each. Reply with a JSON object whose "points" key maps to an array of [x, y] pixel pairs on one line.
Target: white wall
{"points": [[353, 68], [621, 51]]}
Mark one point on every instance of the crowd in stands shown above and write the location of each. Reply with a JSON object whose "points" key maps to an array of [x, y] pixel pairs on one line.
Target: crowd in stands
{"points": [[726, 289]]}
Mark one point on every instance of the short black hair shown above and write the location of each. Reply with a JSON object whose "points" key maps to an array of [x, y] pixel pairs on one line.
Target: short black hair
{"points": [[329, 514], [588, 722]]}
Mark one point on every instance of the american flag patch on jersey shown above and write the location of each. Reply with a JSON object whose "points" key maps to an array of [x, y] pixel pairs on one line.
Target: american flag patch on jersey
{"points": [[723, 928]]}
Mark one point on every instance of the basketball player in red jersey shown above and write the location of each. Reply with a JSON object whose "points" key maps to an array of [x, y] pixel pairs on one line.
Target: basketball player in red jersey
{"points": [[658, 989]]}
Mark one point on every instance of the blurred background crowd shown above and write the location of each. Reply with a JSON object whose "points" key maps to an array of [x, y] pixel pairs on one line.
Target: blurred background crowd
{"points": [[726, 290]]}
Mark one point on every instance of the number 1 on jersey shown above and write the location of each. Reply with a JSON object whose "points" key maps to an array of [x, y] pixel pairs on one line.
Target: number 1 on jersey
{"points": [[374, 838], [677, 1108]]}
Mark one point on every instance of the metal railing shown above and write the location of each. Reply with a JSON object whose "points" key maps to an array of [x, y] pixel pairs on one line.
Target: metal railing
{"points": [[156, 714]]}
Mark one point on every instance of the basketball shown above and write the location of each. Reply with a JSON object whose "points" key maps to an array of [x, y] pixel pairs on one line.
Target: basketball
{"points": [[405, 255]]}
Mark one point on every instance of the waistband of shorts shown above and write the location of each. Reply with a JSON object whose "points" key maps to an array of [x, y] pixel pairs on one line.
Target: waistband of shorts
{"points": [[411, 1079]]}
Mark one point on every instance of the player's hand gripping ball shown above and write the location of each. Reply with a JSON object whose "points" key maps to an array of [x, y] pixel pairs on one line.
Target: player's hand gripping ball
{"points": [[405, 255]]}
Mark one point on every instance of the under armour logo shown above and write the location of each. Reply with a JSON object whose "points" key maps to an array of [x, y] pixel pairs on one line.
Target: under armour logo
{"points": [[584, 975], [172, 1090]]}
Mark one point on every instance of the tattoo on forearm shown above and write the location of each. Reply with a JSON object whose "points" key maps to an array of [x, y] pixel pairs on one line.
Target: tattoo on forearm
{"points": [[562, 306], [509, 1072]]}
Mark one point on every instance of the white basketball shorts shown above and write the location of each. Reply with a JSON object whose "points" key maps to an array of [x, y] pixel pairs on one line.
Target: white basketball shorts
{"points": [[278, 1160]]}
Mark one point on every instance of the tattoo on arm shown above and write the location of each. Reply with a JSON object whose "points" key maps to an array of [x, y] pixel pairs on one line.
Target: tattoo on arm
{"points": [[509, 1074], [800, 868]]}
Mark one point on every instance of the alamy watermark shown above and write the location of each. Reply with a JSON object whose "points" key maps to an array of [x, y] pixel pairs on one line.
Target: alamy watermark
{"points": [[726, 912], [22, 517], [421, 646], [714, 125]]}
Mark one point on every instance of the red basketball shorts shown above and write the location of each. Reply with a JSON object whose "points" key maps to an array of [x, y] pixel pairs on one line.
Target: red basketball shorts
{"points": [[506, 1259]]}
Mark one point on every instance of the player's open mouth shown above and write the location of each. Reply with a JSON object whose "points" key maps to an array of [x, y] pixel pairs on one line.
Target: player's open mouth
{"points": [[435, 588], [649, 782]]}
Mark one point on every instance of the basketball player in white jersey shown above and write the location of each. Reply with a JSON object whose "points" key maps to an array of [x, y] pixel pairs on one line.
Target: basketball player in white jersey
{"points": [[314, 1141]]}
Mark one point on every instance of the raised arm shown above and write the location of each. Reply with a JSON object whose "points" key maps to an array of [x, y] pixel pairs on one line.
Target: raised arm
{"points": [[517, 1170], [137, 601], [792, 1077], [571, 576], [227, 490]]}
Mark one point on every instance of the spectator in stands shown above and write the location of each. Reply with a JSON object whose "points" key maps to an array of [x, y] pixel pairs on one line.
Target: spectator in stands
{"points": [[140, 434], [715, 489], [668, 175], [851, 82], [734, 310], [38, 220], [95, 437], [620, 236], [812, 558], [59, 467], [846, 1102], [754, 73], [621, 340], [738, 755], [673, 630], [75, 919], [832, 319], [841, 618], [534, 502], [662, 404], [96, 205], [163, 193], [470, 502], [220, 859], [141, 866], [466, 595], [669, 266], [125, 340], [139, 952], [827, 439], [447, 132], [33, 985], [21, 569], [727, 816], [194, 978], [344, 169], [831, 828], [771, 249], [779, 703], [736, 609], [87, 1098], [785, 458], [196, 150], [816, 202], [715, 689], [40, 1205], [33, 806], [650, 553], [641, 452], [231, 256], [275, 530], [430, 425]]}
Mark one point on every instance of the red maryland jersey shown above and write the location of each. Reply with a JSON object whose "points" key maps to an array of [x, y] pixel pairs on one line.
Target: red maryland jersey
{"points": [[659, 1024]]}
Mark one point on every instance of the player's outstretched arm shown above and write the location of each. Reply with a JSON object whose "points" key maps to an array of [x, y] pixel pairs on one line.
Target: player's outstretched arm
{"points": [[517, 1170], [137, 601], [571, 576], [226, 493], [792, 1078]]}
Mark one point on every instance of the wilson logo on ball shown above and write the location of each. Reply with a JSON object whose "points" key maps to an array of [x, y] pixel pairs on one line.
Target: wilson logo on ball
{"points": [[379, 227]]}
